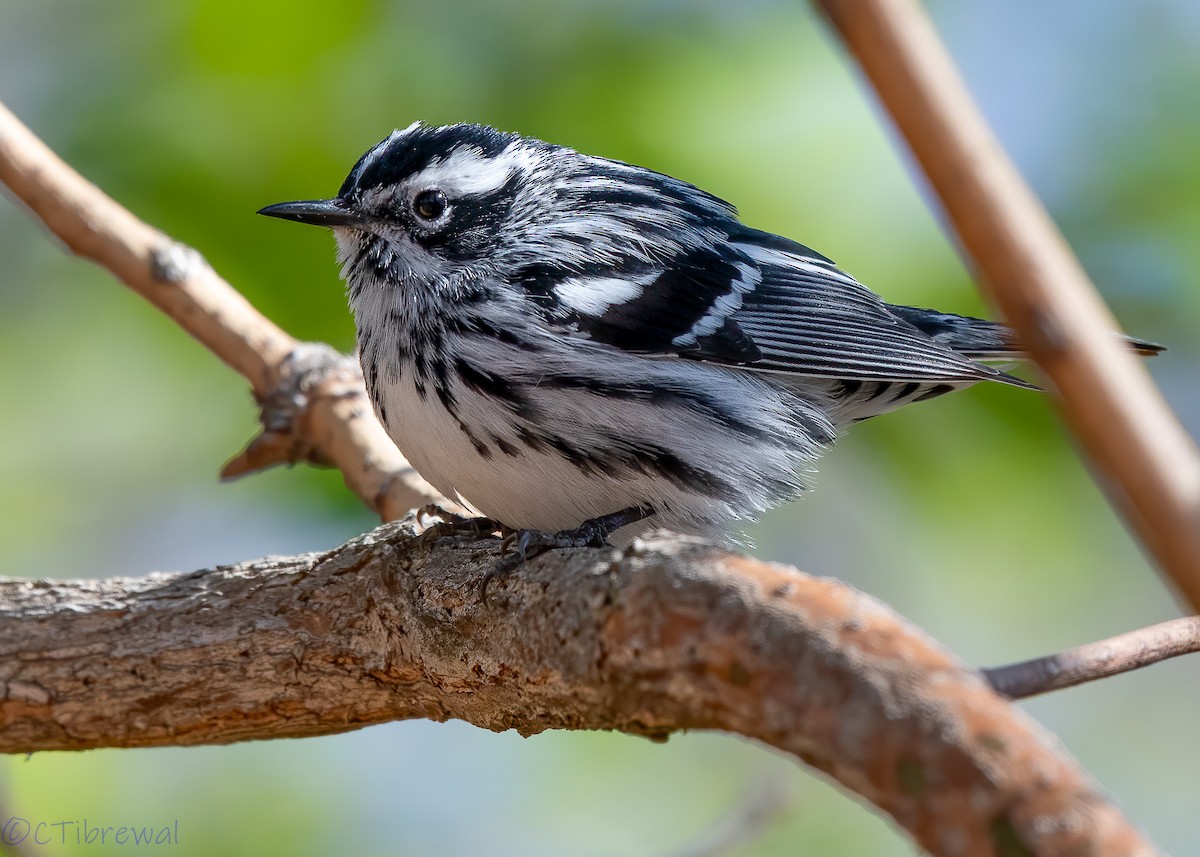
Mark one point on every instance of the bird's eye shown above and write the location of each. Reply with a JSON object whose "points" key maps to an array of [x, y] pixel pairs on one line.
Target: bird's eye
{"points": [[429, 204]]}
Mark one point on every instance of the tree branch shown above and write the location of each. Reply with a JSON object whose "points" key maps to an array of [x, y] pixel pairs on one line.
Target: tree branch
{"points": [[314, 404], [1148, 464], [666, 635], [1093, 661]]}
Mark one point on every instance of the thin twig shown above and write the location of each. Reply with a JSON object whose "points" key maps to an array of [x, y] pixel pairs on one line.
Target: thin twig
{"points": [[1093, 661], [332, 421], [1147, 463]]}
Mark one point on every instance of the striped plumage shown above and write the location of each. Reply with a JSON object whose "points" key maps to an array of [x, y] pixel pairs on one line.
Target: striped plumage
{"points": [[550, 337]]}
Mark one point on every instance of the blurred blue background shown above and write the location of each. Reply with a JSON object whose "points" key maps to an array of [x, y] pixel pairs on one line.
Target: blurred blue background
{"points": [[972, 515]]}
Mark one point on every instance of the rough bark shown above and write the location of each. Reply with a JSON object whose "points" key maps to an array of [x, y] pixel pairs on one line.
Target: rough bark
{"points": [[666, 635]]}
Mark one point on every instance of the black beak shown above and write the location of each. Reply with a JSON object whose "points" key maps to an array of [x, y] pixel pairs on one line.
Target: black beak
{"points": [[318, 212]]}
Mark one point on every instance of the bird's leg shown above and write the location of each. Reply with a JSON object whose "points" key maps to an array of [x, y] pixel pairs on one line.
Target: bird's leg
{"points": [[452, 524], [593, 532]]}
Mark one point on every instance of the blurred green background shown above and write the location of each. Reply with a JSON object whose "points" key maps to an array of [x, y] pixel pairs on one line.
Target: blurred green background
{"points": [[972, 515]]}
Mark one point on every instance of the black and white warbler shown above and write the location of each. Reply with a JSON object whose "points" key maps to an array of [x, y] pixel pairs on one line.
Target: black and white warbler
{"points": [[556, 339]]}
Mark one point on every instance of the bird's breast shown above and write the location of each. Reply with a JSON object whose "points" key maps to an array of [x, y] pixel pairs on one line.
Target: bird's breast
{"points": [[474, 450], [545, 433]]}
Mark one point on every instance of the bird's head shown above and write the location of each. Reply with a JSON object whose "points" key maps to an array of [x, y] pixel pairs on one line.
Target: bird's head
{"points": [[431, 205], [425, 203]]}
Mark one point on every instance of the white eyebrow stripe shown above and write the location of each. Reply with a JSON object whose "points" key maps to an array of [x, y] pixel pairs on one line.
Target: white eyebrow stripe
{"points": [[469, 172]]}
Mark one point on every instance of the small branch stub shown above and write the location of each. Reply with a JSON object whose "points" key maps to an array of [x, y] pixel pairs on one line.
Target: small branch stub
{"points": [[172, 263], [310, 371]]}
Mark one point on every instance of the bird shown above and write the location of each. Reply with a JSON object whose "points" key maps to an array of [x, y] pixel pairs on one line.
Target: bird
{"points": [[578, 348]]}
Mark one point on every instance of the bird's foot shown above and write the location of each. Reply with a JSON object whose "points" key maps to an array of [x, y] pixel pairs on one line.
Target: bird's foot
{"points": [[593, 533], [451, 524]]}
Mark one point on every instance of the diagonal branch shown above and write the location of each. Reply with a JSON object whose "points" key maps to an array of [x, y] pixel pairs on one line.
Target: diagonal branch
{"points": [[666, 635], [315, 406], [1148, 464]]}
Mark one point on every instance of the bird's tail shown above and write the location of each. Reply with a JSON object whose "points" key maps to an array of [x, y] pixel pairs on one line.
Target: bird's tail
{"points": [[980, 339]]}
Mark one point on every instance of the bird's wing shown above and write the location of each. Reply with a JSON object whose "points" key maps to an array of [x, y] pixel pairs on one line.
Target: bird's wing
{"points": [[760, 301], [810, 318]]}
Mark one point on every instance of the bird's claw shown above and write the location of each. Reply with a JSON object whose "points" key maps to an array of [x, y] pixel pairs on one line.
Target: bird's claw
{"points": [[584, 536], [526, 544], [451, 524]]}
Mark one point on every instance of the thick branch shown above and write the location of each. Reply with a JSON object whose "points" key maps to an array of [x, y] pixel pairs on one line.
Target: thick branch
{"points": [[1147, 462], [332, 421], [664, 636]]}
